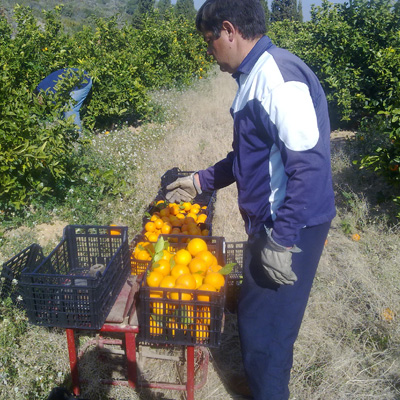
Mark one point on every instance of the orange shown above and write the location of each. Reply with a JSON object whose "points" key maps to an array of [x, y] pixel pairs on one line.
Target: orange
{"points": [[148, 246], [174, 209], [172, 327], [388, 314], [196, 245], [204, 315], [186, 280], [187, 206], [154, 217], [175, 231], [168, 282], [150, 226], [155, 328], [183, 256], [166, 228], [157, 307], [166, 255], [356, 237], [177, 222], [180, 216], [159, 223], [198, 266], [215, 261], [187, 311], [191, 225], [143, 255], [199, 280], [205, 232], [215, 279], [201, 218], [208, 288], [207, 257], [180, 295], [213, 268], [201, 333], [179, 269], [114, 231], [153, 237], [195, 231], [154, 278], [162, 266], [195, 210], [164, 212], [192, 215], [155, 294]]}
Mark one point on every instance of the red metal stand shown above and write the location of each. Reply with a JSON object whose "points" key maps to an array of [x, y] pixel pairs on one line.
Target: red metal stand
{"points": [[122, 319]]}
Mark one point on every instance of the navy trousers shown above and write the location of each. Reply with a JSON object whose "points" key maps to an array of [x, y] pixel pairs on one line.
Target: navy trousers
{"points": [[270, 315]]}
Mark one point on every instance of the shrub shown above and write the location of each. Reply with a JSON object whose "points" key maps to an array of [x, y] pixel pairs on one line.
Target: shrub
{"points": [[124, 63]]}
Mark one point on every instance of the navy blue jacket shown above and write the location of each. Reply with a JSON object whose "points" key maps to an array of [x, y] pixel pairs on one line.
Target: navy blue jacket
{"points": [[281, 146], [51, 80]]}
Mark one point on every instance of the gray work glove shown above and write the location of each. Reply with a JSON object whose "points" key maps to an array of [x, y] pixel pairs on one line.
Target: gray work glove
{"points": [[277, 261], [183, 189]]}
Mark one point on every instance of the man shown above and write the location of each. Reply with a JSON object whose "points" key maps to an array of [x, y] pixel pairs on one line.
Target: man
{"points": [[78, 94], [281, 165]]}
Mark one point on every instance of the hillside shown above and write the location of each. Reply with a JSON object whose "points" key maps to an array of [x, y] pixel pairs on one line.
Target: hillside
{"points": [[74, 13]]}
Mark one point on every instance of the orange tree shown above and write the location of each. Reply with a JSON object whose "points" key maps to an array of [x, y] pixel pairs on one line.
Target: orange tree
{"points": [[354, 48], [125, 63]]}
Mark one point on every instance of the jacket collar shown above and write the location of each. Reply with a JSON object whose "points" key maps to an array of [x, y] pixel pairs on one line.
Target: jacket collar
{"points": [[248, 63]]}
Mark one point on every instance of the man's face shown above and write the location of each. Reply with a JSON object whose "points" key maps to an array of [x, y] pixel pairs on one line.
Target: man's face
{"points": [[220, 48]]}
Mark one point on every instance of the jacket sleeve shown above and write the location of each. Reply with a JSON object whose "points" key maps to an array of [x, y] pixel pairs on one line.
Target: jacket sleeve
{"points": [[219, 175], [303, 141]]}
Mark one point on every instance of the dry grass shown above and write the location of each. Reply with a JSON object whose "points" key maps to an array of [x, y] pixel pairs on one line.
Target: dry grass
{"points": [[346, 349]]}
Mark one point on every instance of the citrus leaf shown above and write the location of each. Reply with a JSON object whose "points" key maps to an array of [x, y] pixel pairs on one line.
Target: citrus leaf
{"points": [[227, 269], [159, 247]]}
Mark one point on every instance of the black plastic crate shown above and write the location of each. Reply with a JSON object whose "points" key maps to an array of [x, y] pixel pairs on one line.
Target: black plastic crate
{"points": [[11, 271], [138, 267], [186, 317], [204, 199], [234, 254], [78, 283]]}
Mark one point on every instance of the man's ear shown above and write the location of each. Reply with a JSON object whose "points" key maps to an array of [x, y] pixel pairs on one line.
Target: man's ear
{"points": [[230, 29]]}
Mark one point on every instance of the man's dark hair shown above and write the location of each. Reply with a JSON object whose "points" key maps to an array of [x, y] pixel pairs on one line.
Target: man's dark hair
{"points": [[248, 16]]}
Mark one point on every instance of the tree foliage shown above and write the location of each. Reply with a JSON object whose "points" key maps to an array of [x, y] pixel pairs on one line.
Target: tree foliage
{"points": [[355, 51], [124, 63], [264, 3], [164, 6], [284, 9], [185, 8], [143, 8]]}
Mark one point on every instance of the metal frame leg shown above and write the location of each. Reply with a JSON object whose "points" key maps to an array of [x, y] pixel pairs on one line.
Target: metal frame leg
{"points": [[190, 372], [130, 350], [73, 361]]}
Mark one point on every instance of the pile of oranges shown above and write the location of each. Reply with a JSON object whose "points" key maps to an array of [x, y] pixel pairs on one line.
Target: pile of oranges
{"points": [[172, 218], [194, 269]]}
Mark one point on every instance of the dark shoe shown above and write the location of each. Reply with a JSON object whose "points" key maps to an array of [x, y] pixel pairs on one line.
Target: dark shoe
{"points": [[238, 385]]}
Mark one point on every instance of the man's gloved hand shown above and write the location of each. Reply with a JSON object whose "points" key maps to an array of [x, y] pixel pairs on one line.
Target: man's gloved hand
{"points": [[277, 261], [183, 189]]}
